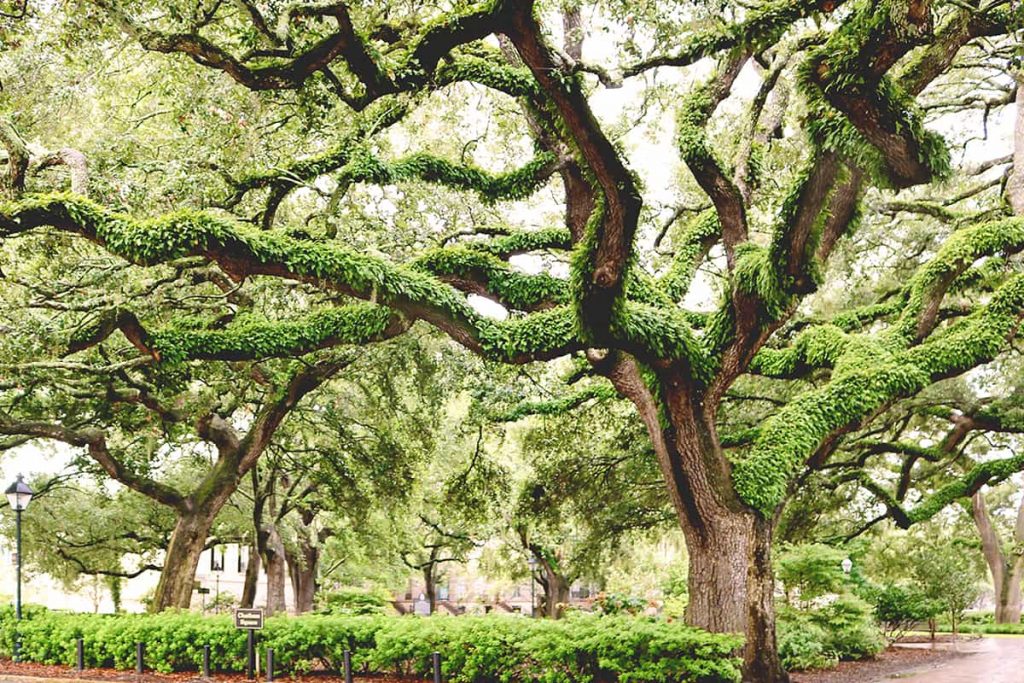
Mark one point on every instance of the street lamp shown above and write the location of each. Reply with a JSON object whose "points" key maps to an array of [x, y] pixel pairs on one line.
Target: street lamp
{"points": [[847, 565], [19, 495], [532, 561]]}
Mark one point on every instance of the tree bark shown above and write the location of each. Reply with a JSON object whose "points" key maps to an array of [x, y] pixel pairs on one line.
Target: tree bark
{"points": [[252, 577], [273, 553], [430, 584], [556, 593], [177, 580], [1006, 570], [731, 582], [303, 568]]}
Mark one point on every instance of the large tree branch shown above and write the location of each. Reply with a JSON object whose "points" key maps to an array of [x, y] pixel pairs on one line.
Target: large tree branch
{"points": [[696, 152], [868, 378], [604, 253], [95, 442], [242, 251], [760, 29]]}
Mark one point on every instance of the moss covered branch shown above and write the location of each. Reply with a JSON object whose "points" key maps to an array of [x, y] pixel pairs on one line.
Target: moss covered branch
{"points": [[869, 374], [558, 406], [242, 251], [760, 29]]}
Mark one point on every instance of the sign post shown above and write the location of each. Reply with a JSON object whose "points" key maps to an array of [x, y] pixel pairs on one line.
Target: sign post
{"points": [[250, 620]]}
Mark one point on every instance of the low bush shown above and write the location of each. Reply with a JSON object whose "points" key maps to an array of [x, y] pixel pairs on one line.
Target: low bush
{"points": [[802, 645], [990, 628], [475, 649], [818, 637], [900, 608], [353, 602]]}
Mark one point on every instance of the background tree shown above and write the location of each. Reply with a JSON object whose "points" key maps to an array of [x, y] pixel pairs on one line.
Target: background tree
{"points": [[590, 485]]}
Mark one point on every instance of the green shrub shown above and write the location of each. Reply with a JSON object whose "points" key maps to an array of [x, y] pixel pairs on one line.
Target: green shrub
{"points": [[850, 626], [802, 646], [899, 608], [492, 649], [992, 628], [818, 637], [353, 601]]}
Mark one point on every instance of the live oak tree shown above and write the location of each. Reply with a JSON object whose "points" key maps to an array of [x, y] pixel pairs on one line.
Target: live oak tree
{"points": [[455, 507], [777, 209]]}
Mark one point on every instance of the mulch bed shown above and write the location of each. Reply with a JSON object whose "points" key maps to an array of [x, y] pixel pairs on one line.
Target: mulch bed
{"points": [[940, 638], [893, 660], [9, 668]]}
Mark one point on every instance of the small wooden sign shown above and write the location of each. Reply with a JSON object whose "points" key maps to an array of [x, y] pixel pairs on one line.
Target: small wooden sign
{"points": [[249, 619]]}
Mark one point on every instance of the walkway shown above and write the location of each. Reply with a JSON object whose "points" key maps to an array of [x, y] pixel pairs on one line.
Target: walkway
{"points": [[990, 660]]}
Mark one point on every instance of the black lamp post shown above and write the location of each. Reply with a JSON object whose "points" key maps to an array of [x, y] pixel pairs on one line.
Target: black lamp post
{"points": [[532, 561], [19, 495]]}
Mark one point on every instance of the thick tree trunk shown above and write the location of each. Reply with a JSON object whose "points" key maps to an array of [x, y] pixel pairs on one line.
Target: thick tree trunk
{"points": [[556, 594], [1008, 602], [177, 580], [731, 582], [273, 553], [1006, 570], [303, 568], [732, 589], [252, 577]]}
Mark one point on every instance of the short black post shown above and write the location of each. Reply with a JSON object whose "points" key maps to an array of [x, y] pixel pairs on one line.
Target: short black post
{"points": [[140, 655], [206, 661], [270, 664], [80, 655], [347, 661], [250, 666], [437, 667]]}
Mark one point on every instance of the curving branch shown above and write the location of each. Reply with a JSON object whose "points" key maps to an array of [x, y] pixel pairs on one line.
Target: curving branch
{"points": [[763, 27], [95, 441], [707, 170], [603, 255], [241, 252], [291, 71], [868, 377]]}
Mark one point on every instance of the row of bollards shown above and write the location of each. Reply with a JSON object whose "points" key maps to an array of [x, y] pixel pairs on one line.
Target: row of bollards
{"points": [[140, 662]]}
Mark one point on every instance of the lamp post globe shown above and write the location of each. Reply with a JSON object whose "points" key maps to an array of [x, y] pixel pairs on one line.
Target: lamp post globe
{"points": [[19, 495]]}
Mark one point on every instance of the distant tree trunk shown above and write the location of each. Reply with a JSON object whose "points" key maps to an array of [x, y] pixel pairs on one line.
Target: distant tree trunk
{"points": [[556, 593], [430, 584], [303, 567], [181, 559], [1006, 571], [252, 577], [274, 559]]}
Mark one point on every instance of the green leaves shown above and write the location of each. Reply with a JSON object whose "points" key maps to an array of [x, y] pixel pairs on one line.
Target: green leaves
{"points": [[474, 649]]}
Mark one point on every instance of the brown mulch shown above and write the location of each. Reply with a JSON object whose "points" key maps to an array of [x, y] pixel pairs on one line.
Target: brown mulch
{"points": [[940, 638], [893, 660], [9, 668]]}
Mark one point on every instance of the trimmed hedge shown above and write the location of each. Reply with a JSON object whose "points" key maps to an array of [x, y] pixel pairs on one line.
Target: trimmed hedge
{"points": [[582, 649]]}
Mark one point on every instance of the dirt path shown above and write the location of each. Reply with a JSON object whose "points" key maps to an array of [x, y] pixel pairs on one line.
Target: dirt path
{"points": [[989, 660]]}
